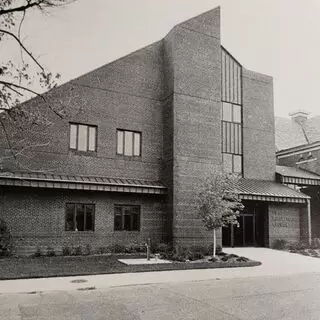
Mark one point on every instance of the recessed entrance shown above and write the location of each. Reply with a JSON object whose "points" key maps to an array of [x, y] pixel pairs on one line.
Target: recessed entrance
{"points": [[252, 226]]}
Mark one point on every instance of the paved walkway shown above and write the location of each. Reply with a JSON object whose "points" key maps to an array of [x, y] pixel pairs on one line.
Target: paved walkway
{"points": [[274, 263]]}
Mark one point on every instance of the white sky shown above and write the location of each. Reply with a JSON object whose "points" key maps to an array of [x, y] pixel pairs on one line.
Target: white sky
{"points": [[280, 38]]}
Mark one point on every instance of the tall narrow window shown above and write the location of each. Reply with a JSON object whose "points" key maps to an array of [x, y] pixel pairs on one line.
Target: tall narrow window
{"points": [[231, 124], [128, 143], [83, 137]]}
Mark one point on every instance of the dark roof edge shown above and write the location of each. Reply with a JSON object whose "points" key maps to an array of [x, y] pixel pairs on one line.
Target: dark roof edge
{"points": [[300, 148]]}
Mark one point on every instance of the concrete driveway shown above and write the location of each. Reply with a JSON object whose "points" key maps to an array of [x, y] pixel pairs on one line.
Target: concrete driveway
{"points": [[275, 262]]}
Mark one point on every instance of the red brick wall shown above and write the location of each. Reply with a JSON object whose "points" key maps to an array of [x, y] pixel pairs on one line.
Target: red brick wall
{"points": [[36, 217]]}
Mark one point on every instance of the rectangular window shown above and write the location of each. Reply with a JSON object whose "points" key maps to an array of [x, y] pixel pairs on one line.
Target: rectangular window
{"points": [[83, 137], [129, 143], [79, 217], [126, 217]]}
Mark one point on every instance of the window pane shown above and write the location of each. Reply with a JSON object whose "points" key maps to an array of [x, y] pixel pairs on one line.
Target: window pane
{"points": [[237, 164], [127, 222], [136, 144], [236, 139], [82, 137], [70, 217], [89, 218], [226, 111], [136, 222], [236, 113], [228, 136], [80, 217], [240, 140], [73, 136], [227, 162], [232, 125], [92, 138], [120, 142], [117, 218], [128, 143]]}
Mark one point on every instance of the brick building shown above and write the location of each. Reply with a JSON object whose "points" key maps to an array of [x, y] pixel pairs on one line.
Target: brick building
{"points": [[118, 153], [298, 158]]}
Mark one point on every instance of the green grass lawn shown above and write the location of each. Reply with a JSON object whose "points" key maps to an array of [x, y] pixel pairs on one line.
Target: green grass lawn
{"points": [[18, 268]]}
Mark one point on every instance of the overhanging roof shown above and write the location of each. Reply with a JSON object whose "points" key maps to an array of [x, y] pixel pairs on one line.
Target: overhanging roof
{"points": [[270, 191], [93, 183], [292, 175]]}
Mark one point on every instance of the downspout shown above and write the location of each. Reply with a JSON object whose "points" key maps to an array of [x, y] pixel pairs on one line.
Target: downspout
{"points": [[309, 221]]}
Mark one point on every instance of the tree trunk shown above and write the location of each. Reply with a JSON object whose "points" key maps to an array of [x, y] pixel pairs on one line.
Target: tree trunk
{"points": [[214, 243]]}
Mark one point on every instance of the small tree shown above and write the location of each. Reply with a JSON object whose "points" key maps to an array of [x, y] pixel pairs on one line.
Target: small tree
{"points": [[218, 202]]}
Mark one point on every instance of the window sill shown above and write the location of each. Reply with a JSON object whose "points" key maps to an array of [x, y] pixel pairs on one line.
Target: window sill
{"points": [[79, 232], [126, 231], [83, 153], [130, 158]]}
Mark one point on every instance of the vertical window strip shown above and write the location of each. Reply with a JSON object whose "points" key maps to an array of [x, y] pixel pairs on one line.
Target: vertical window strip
{"points": [[240, 139], [232, 140], [240, 85], [222, 73], [235, 83], [227, 79], [231, 79]]}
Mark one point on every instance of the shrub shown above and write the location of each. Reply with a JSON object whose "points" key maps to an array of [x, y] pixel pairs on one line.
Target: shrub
{"points": [[37, 254], [50, 252], [103, 250], [87, 250], [218, 249], [315, 244], [118, 248], [313, 252], [77, 251], [214, 259], [161, 247], [5, 240], [279, 244], [66, 251], [242, 259], [300, 245]]}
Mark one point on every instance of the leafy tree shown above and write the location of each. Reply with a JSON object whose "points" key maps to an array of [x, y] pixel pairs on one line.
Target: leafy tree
{"points": [[218, 202]]}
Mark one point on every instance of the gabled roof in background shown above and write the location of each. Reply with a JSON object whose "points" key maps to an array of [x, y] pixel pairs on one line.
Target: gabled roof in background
{"points": [[292, 175], [290, 134], [55, 181]]}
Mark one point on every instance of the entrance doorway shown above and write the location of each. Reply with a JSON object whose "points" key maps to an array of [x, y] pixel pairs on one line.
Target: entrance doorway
{"points": [[251, 229]]}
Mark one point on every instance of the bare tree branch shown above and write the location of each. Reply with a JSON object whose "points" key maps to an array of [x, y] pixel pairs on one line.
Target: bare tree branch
{"points": [[23, 47], [34, 92]]}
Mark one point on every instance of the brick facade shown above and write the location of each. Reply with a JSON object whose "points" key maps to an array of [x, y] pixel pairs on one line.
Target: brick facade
{"points": [[170, 91]]}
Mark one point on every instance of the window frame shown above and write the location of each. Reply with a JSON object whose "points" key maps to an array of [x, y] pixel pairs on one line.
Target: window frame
{"points": [[229, 144], [77, 124], [75, 204], [133, 143], [123, 206]]}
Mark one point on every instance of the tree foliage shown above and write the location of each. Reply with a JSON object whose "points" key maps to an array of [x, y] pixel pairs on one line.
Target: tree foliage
{"points": [[219, 203], [17, 78]]}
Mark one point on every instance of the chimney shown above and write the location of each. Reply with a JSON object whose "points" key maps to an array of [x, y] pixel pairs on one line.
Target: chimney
{"points": [[299, 116]]}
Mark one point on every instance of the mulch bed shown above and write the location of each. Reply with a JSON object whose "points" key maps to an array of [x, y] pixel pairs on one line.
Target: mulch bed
{"points": [[39, 267]]}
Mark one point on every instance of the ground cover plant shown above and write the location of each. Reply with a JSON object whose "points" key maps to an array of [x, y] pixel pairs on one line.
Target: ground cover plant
{"points": [[300, 247], [69, 261]]}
